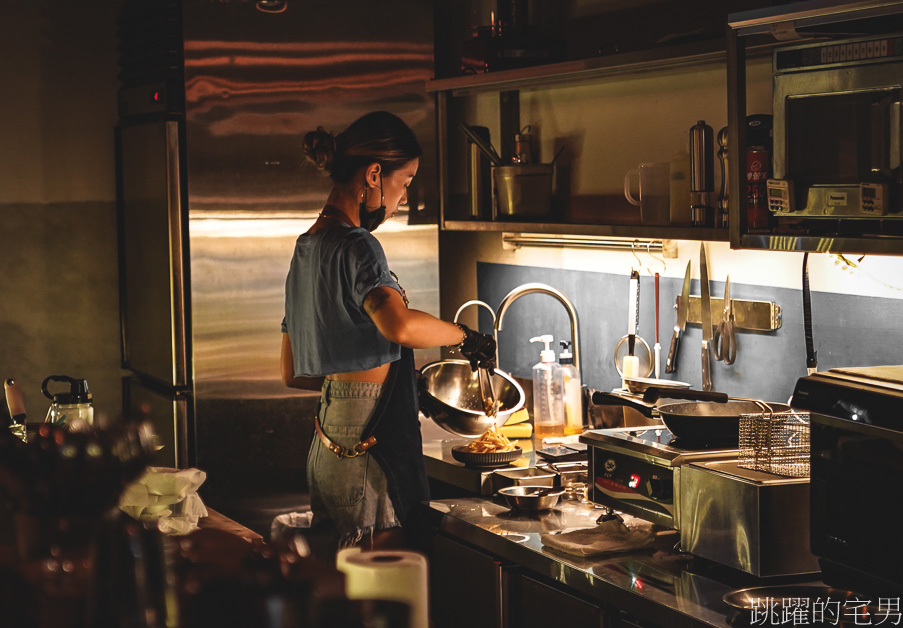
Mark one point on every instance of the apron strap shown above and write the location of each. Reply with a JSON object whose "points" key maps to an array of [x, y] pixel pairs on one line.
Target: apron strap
{"points": [[334, 447]]}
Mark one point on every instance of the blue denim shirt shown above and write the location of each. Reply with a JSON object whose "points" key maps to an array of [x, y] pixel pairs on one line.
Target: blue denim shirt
{"points": [[331, 273]]}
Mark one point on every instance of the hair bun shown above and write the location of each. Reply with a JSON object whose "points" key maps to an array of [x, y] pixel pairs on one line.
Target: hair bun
{"points": [[319, 149]]}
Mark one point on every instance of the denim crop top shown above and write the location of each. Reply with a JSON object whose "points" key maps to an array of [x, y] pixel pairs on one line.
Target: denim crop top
{"points": [[331, 273]]}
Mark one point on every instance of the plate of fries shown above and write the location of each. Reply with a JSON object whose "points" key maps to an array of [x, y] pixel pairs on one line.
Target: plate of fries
{"points": [[492, 449]]}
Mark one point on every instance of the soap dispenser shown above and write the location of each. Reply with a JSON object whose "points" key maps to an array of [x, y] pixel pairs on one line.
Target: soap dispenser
{"points": [[548, 395], [573, 392], [72, 408]]}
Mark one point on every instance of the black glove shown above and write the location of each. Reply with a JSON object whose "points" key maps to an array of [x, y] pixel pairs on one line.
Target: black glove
{"points": [[479, 349]]}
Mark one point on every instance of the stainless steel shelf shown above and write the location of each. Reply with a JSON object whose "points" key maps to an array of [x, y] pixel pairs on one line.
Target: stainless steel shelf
{"points": [[615, 231], [874, 245], [660, 59]]}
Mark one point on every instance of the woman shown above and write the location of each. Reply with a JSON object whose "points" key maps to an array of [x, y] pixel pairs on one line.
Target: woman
{"points": [[348, 331]]}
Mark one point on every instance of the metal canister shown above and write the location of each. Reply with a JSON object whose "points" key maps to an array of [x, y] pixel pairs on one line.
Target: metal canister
{"points": [[757, 166], [702, 174], [480, 178]]}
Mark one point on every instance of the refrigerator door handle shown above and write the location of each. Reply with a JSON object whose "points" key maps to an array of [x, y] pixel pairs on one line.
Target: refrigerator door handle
{"points": [[178, 259]]}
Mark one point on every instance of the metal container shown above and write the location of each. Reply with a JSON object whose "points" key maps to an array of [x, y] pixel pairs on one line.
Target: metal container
{"points": [[449, 394], [702, 174], [480, 173], [524, 191], [531, 498], [752, 521], [523, 476]]}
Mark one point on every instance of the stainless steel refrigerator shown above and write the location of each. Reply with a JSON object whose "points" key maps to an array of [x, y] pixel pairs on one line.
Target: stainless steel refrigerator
{"points": [[213, 192]]}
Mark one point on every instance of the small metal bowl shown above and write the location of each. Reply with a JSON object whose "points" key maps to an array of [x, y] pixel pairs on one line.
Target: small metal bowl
{"points": [[531, 498]]}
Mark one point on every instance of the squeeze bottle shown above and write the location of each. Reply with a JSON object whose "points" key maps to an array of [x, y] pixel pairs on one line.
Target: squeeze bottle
{"points": [[573, 392], [548, 395]]}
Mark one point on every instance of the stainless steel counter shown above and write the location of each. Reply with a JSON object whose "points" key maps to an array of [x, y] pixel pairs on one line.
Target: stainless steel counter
{"points": [[659, 585]]}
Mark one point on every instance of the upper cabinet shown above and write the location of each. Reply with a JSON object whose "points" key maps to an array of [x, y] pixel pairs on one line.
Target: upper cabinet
{"points": [[834, 177], [589, 108], [772, 125]]}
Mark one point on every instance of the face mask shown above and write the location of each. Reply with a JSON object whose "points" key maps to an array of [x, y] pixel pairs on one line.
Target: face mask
{"points": [[370, 220]]}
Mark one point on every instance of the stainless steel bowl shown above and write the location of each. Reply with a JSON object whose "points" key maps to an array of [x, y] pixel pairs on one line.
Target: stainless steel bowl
{"points": [[531, 498], [450, 395]]}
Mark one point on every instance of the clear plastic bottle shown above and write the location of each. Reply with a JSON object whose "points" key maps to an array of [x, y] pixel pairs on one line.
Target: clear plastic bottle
{"points": [[548, 395], [573, 392]]}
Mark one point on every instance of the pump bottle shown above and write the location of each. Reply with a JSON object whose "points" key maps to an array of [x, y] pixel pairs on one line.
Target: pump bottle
{"points": [[573, 392], [548, 395]]}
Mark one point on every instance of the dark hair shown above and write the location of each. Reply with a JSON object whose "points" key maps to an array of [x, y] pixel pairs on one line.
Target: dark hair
{"points": [[378, 136]]}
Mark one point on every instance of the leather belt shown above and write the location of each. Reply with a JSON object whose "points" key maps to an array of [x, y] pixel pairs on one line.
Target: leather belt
{"points": [[338, 450]]}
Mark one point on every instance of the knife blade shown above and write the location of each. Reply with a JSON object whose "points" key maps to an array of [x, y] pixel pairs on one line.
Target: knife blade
{"points": [[683, 305], [706, 319], [811, 353]]}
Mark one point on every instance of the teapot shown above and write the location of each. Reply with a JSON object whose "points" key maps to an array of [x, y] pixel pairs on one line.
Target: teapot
{"points": [[70, 406]]}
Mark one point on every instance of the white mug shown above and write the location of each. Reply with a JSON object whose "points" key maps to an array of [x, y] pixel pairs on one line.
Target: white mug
{"points": [[654, 184]]}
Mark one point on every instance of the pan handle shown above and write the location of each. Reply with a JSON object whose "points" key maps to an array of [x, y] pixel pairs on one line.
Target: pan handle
{"points": [[654, 393]]}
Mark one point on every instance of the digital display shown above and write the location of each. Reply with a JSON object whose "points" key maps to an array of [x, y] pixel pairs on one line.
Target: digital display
{"points": [[776, 192], [868, 192]]}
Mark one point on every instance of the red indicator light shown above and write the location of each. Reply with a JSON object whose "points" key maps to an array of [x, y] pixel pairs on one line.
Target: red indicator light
{"points": [[156, 96], [634, 481]]}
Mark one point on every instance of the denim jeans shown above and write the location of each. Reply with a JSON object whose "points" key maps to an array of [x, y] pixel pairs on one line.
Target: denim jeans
{"points": [[350, 494]]}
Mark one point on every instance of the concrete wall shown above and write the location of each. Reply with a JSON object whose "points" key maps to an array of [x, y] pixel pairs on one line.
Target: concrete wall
{"points": [[58, 274]]}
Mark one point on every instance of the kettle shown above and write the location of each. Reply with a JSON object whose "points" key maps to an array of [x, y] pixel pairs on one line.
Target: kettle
{"points": [[70, 407]]}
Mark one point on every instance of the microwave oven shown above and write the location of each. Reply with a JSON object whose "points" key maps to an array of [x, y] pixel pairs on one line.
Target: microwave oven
{"points": [[837, 130]]}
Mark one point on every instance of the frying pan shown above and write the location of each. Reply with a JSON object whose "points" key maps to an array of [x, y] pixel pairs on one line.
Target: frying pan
{"points": [[710, 417]]}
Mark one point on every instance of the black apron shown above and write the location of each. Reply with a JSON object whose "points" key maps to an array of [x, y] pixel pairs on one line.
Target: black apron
{"points": [[399, 447]]}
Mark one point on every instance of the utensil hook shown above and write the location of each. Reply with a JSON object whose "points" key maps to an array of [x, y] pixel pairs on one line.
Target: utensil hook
{"points": [[658, 259], [633, 246]]}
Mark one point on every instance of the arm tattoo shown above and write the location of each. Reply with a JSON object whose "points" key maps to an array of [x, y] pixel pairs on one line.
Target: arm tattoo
{"points": [[375, 301]]}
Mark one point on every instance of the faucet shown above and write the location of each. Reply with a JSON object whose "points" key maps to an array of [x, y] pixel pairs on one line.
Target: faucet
{"points": [[464, 306], [529, 288]]}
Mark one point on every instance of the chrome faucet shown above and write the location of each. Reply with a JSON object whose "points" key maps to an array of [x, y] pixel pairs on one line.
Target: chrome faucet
{"points": [[464, 306], [529, 288]]}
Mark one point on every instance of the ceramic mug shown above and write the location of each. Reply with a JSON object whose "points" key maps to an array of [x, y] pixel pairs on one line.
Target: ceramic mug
{"points": [[654, 187]]}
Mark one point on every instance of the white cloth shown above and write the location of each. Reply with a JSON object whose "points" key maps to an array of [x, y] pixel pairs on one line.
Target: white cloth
{"points": [[168, 496], [606, 538]]}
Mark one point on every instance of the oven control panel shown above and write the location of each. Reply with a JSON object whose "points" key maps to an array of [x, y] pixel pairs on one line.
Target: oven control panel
{"points": [[633, 485]]}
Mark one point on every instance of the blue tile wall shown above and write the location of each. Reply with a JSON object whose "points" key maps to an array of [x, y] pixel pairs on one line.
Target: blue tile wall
{"points": [[847, 330]]}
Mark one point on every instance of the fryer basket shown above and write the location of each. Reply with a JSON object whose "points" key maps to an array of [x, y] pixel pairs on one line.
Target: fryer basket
{"points": [[775, 442]]}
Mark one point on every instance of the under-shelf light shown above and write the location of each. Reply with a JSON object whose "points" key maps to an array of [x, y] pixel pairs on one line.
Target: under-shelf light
{"points": [[637, 245]]}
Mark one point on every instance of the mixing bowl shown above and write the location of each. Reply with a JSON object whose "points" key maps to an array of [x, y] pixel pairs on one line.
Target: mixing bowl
{"points": [[450, 395]]}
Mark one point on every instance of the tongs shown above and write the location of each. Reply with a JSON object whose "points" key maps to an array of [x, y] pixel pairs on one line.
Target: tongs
{"points": [[490, 401]]}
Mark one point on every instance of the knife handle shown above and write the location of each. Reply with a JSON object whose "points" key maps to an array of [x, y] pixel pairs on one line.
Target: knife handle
{"points": [[14, 400], [706, 366], [671, 362]]}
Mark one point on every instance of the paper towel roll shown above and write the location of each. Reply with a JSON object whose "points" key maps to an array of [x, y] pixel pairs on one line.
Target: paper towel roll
{"points": [[399, 576]]}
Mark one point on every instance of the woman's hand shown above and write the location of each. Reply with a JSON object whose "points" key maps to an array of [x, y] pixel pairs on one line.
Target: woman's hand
{"points": [[479, 349]]}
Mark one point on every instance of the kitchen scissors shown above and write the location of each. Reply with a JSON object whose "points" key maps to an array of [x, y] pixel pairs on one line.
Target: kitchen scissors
{"points": [[725, 340]]}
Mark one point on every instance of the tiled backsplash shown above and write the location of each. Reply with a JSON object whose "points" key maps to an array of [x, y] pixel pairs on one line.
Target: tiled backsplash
{"points": [[847, 330]]}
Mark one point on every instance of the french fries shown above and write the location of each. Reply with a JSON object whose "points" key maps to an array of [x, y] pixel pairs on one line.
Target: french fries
{"points": [[490, 442]]}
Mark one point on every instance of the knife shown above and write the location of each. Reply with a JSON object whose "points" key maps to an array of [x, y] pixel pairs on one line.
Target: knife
{"points": [[811, 353], [706, 319], [683, 303]]}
